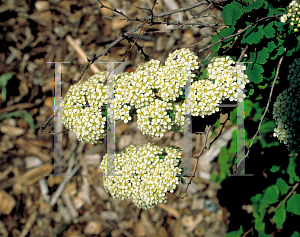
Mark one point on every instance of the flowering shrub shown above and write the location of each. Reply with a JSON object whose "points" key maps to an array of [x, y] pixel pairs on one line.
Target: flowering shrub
{"points": [[155, 93], [293, 15], [82, 109], [225, 81], [143, 174], [286, 110]]}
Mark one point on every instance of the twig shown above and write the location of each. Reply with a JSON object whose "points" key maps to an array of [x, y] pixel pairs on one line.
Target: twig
{"points": [[167, 23], [126, 53], [182, 25], [262, 118], [205, 38], [195, 167], [273, 209], [105, 51], [80, 52], [64, 182], [242, 54], [29, 224], [223, 125], [112, 9]]}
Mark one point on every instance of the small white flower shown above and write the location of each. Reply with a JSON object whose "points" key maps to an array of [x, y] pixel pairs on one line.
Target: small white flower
{"points": [[283, 18]]}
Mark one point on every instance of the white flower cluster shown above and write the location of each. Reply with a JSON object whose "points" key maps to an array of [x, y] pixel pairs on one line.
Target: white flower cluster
{"points": [[225, 81], [143, 174], [81, 109], [286, 111], [153, 119], [151, 89], [155, 93], [293, 15]]}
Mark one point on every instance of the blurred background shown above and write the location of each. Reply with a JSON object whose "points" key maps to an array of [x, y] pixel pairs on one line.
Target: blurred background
{"points": [[33, 204]]}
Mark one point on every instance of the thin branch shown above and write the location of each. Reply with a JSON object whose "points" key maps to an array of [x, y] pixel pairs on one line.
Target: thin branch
{"points": [[126, 53], [242, 54], [273, 209], [195, 167], [223, 125], [182, 25], [205, 38], [105, 51], [262, 118], [113, 9]]}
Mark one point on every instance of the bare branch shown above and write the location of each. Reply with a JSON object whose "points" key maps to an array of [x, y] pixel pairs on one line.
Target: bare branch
{"points": [[195, 167], [146, 19], [262, 118]]}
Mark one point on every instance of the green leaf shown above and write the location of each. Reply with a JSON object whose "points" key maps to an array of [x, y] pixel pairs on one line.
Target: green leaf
{"points": [[262, 207], [255, 5], [282, 185], [291, 170], [253, 35], [231, 13], [293, 204], [267, 126], [256, 198], [271, 46], [235, 233], [259, 224], [254, 73], [280, 51], [269, 30], [226, 32], [271, 194], [295, 234], [280, 216], [215, 38], [182, 180], [261, 56], [274, 168]]}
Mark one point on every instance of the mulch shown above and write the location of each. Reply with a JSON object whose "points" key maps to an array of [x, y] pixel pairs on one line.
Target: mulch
{"points": [[34, 203]]}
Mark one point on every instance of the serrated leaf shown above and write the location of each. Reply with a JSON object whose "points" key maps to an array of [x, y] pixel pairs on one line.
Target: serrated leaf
{"points": [[254, 73], [215, 38], [271, 46], [291, 171], [231, 13], [283, 186], [280, 216], [267, 126], [260, 57], [269, 30], [271, 194], [262, 207], [293, 204], [253, 35], [295, 234], [256, 198], [215, 47], [236, 233], [259, 224], [252, 6], [274, 168], [226, 32]]}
